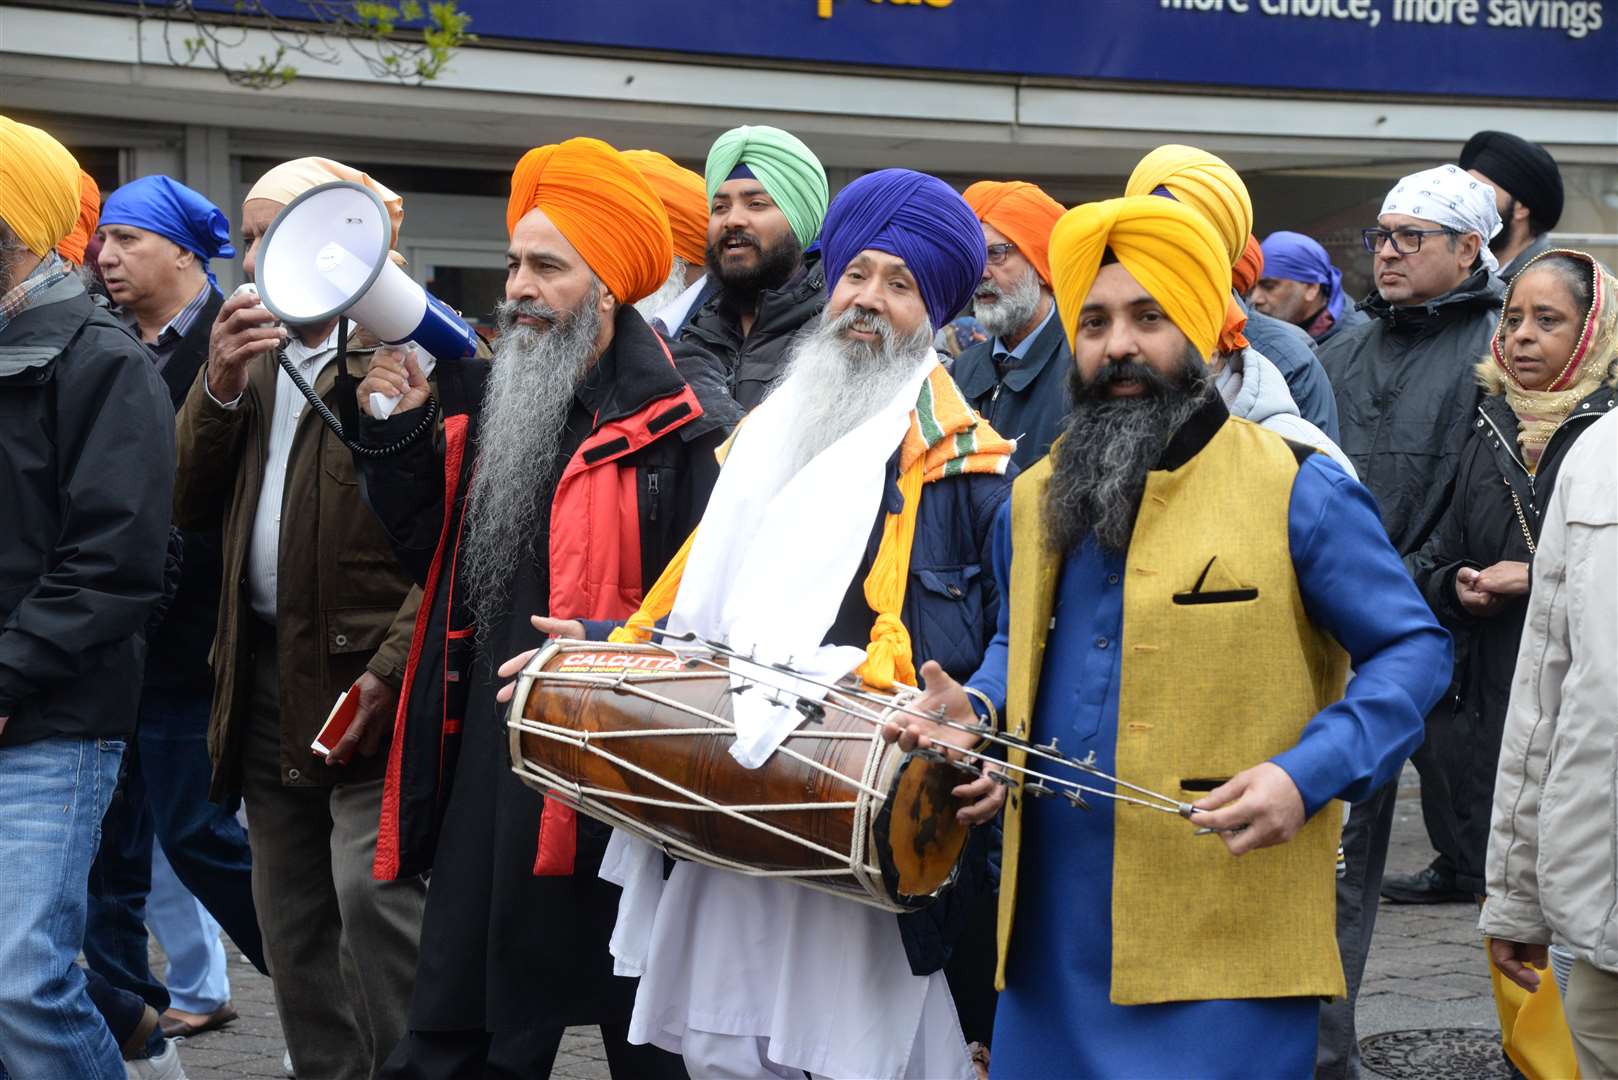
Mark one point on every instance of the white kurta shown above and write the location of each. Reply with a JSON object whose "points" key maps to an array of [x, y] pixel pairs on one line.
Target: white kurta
{"points": [[822, 980]]}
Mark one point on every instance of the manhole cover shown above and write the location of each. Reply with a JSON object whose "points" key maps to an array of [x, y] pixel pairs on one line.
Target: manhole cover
{"points": [[1437, 1054]]}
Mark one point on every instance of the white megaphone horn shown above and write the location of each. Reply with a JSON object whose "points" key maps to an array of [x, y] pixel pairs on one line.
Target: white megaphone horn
{"points": [[326, 254]]}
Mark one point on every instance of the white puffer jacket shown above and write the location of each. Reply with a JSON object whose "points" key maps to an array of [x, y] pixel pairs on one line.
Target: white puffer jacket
{"points": [[1553, 844], [1254, 389]]}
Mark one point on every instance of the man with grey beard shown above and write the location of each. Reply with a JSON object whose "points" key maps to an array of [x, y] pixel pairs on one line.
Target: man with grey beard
{"points": [[894, 481], [1018, 378], [585, 445]]}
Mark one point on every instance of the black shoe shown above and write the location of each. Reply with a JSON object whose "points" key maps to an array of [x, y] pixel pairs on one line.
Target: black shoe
{"points": [[1426, 886]]}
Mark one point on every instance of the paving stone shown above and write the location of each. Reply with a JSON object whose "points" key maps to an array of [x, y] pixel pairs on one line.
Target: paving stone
{"points": [[1425, 970]]}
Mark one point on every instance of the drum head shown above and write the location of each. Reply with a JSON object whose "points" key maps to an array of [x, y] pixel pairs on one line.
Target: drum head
{"points": [[918, 839]]}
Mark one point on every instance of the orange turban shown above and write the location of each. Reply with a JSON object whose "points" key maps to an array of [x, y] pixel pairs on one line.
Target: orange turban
{"points": [[73, 244], [1249, 268], [604, 207], [685, 199], [1023, 213]]}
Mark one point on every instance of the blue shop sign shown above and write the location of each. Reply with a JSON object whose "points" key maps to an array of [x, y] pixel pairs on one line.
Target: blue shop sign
{"points": [[1552, 49]]}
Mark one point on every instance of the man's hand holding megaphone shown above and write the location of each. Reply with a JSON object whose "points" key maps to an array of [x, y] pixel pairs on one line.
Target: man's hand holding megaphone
{"points": [[243, 330], [394, 373]]}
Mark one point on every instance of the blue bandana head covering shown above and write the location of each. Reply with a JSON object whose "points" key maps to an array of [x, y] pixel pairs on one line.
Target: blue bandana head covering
{"points": [[1295, 257], [920, 219], [163, 205]]}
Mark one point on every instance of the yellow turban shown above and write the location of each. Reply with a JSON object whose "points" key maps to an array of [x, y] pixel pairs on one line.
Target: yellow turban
{"points": [[39, 186], [604, 207], [1023, 213], [683, 197], [73, 244], [1204, 183], [1173, 252], [290, 179]]}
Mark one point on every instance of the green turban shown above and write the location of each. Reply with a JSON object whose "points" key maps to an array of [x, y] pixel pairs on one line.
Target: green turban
{"points": [[789, 171]]}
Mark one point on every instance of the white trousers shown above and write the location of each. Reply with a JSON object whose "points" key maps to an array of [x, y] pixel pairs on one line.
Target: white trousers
{"points": [[710, 1056]]}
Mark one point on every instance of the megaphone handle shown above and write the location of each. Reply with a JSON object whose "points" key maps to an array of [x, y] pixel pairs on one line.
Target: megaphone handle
{"points": [[344, 379], [347, 385]]}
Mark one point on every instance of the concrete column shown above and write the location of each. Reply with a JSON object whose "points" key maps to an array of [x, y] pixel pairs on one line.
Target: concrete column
{"points": [[139, 161], [210, 170]]}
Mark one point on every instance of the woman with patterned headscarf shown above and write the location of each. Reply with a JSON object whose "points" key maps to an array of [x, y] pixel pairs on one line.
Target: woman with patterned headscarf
{"points": [[1550, 372]]}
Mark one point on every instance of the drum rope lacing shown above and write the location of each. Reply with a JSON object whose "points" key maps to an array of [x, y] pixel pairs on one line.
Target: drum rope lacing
{"points": [[853, 862]]}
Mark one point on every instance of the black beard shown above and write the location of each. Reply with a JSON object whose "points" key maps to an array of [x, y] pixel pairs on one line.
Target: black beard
{"points": [[1500, 242], [775, 268], [1109, 444]]}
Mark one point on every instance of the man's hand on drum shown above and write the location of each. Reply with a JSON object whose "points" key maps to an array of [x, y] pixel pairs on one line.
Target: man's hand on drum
{"points": [[942, 695], [555, 628]]}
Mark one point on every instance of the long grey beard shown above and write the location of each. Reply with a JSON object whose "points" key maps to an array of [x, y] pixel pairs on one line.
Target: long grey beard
{"points": [[525, 408], [1009, 311], [666, 293], [840, 383], [1108, 446]]}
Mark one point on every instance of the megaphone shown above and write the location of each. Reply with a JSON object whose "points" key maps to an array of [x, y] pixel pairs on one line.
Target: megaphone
{"points": [[326, 254]]}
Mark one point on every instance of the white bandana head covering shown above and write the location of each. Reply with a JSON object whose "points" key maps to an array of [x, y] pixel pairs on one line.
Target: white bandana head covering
{"points": [[1452, 198]]}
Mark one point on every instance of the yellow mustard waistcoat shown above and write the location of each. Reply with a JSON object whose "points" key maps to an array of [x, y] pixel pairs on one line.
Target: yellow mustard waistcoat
{"points": [[1191, 922]]}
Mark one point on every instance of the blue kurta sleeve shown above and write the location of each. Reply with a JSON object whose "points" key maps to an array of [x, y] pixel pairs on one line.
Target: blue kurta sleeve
{"points": [[990, 677], [1355, 588]]}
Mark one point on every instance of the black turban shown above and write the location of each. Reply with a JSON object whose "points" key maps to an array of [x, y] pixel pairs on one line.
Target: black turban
{"points": [[1524, 169]]}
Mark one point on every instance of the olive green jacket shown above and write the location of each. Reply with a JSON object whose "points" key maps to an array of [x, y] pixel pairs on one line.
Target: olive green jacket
{"points": [[343, 604]]}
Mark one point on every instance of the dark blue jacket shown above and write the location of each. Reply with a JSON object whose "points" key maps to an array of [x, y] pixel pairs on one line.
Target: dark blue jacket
{"points": [[951, 609], [1293, 351], [1030, 403]]}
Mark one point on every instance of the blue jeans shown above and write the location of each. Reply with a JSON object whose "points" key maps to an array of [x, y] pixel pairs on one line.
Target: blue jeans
{"points": [[165, 793], [197, 979], [53, 794]]}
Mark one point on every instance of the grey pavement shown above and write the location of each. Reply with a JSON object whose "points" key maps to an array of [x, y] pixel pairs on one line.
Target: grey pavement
{"points": [[1427, 971]]}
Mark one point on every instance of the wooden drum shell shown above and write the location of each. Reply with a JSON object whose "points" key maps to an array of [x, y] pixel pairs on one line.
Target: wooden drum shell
{"points": [[611, 713]]}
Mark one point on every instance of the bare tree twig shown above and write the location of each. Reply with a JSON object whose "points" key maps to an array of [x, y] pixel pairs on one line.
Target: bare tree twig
{"points": [[407, 41]]}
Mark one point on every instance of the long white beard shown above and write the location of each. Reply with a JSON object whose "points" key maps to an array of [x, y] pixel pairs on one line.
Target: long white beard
{"points": [[1010, 311], [840, 384], [666, 293], [525, 409]]}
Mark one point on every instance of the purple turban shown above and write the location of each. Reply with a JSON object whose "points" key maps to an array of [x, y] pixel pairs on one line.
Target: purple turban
{"points": [[1295, 257], [920, 219]]}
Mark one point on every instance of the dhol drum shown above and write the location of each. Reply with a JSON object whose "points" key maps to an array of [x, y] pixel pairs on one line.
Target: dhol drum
{"points": [[638, 736]]}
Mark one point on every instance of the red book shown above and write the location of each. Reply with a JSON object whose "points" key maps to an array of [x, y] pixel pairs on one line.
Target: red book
{"points": [[342, 715]]}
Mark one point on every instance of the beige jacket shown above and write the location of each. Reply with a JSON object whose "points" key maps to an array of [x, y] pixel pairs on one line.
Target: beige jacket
{"points": [[1553, 845]]}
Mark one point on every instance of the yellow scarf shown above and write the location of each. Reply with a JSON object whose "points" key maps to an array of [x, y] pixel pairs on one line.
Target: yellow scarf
{"points": [[946, 438]]}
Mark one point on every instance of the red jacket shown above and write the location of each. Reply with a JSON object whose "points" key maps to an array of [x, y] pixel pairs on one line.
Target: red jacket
{"points": [[623, 505]]}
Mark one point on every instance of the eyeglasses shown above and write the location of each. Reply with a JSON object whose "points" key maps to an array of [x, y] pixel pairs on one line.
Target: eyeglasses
{"points": [[1405, 241], [998, 253]]}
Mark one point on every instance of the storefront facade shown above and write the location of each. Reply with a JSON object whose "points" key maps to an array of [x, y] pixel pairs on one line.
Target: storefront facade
{"points": [[1320, 103]]}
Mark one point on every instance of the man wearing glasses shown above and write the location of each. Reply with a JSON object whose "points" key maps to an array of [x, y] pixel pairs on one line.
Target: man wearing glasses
{"points": [[1405, 395], [1017, 380]]}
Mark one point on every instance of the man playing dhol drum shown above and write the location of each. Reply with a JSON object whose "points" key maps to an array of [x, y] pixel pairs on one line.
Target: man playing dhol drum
{"points": [[1184, 593], [853, 510]]}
